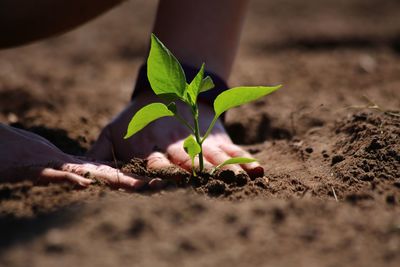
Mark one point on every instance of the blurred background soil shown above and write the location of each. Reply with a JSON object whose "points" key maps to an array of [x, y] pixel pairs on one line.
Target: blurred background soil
{"points": [[332, 165]]}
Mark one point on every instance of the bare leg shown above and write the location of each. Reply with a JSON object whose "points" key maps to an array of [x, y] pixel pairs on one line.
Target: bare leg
{"points": [[202, 31]]}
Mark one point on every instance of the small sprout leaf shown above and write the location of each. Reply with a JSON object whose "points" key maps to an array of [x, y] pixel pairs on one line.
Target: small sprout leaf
{"points": [[192, 148], [236, 160], [240, 95], [146, 115], [194, 87], [207, 84], [164, 71]]}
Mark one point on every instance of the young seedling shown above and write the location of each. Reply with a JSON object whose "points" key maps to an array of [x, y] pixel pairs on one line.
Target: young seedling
{"points": [[168, 81]]}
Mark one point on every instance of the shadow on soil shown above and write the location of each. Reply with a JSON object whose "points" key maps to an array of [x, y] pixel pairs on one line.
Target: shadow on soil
{"points": [[322, 43], [19, 101], [18, 230], [259, 132]]}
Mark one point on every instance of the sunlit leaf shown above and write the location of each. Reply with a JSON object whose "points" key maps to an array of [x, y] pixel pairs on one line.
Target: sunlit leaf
{"points": [[235, 160], [164, 72], [207, 84], [146, 115], [194, 87], [191, 147], [240, 95]]}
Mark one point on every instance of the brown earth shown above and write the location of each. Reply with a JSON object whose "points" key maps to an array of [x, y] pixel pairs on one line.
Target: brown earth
{"points": [[329, 142]]}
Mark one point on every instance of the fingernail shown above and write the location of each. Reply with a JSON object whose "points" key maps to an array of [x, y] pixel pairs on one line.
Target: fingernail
{"points": [[85, 183], [157, 184], [252, 165]]}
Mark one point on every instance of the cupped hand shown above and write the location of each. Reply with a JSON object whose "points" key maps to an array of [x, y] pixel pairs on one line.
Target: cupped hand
{"points": [[25, 155], [161, 141]]}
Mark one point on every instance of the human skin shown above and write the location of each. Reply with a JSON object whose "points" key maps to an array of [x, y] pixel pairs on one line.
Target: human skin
{"points": [[167, 135], [179, 24]]}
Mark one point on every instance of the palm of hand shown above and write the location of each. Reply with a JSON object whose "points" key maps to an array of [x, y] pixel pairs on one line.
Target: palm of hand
{"points": [[161, 141]]}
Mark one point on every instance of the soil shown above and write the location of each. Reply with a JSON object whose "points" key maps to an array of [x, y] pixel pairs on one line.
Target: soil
{"points": [[328, 141]]}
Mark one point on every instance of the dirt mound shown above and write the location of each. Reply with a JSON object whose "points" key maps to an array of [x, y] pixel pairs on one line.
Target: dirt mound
{"points": [[222, 183], [369, 149]]}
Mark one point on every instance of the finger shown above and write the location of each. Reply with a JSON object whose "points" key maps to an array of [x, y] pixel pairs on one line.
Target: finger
{"points": [[102, 149], [216, 156], [178, 156], [114, 177], [108, 175], [236, 151], [254, 169], [52, 175], [158, 160], [207, 165]]}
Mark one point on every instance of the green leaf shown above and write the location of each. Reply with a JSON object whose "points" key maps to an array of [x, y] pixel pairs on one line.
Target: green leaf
{"points": [[240, 95], [191, 147], [236, 160], [168, 97], [194, 87], [207, 84], [146, 115], [164, 71]]}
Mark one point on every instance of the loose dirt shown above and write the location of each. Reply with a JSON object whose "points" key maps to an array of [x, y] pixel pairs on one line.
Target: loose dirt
{"points": [[330, 195]]}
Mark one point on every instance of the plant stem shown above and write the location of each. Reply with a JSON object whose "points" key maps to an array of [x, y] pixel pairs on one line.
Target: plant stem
{"points": [[198, 136]]}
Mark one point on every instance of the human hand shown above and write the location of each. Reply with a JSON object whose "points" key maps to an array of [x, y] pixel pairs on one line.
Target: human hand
{"points": [[26, 155], [161, 141]]}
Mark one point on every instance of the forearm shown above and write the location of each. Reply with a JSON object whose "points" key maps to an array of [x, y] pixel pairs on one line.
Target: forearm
{"points": [[202, 31], [23, 21]]}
